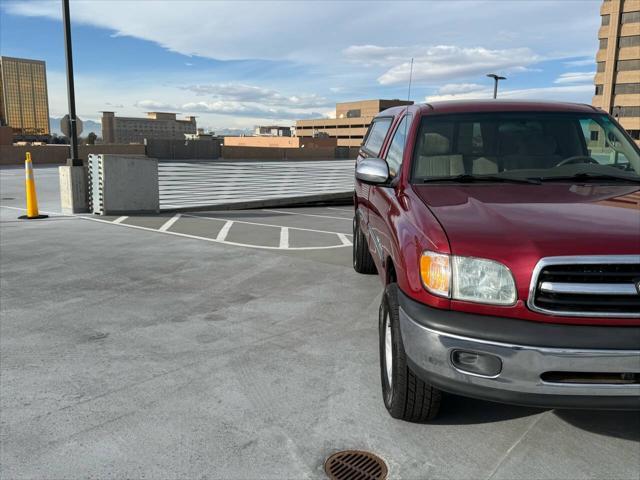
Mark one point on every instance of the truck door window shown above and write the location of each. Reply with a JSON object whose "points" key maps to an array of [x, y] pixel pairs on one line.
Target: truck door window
{"points": [[602, 144], [376, 135], [396, 149]]}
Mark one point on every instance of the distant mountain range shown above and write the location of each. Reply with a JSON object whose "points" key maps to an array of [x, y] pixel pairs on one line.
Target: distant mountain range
{"points": [[233, 132], [88, 126]]}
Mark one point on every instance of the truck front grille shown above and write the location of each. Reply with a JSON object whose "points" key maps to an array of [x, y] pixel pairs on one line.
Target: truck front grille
{"points": [[587, 286]]}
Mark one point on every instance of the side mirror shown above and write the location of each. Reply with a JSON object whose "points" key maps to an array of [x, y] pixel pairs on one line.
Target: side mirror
{"points": [[372, 170]]}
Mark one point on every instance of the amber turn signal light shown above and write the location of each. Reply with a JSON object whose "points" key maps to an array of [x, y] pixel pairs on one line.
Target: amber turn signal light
{"points": [[435, 271]]}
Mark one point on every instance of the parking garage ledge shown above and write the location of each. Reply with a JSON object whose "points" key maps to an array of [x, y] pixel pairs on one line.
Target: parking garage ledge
{"points": [[339, 198]]}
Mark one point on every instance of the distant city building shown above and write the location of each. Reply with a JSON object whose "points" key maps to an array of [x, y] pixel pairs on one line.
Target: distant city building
{"points": [[351, 122], [200, 135], [617, 80], [24, 104], [157, 125], [272, 131]]}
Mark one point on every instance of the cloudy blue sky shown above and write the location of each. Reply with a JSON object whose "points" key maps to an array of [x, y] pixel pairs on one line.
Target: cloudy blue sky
{"points": [[236, 64]]}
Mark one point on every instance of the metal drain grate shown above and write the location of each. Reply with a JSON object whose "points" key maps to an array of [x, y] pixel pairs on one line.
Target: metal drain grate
{"points": [[355, 465]]}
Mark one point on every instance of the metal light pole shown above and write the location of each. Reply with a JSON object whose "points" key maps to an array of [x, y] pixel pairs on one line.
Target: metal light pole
{"points": [[496, 79], [74, 160]]}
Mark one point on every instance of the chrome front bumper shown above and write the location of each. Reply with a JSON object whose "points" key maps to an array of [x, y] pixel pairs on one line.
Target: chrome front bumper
{"points": [[429, 352]]}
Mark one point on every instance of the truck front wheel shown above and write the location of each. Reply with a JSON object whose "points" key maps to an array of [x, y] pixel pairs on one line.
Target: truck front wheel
{"points": [[405, 395]]}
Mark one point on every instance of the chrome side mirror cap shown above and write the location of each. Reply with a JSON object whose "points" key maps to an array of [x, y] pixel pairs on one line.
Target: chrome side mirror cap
{"points": [[372, 170]]}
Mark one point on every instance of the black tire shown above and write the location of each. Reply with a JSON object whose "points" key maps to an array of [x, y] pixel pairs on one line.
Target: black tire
{"points": [[406, 396], [362, 259]]}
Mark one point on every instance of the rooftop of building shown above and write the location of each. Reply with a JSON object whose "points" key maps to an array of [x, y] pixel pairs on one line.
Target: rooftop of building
{"points": [[152, 116], [17, 59]]}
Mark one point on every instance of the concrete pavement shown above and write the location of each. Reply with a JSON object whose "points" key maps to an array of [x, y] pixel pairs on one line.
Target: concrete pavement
{"points": [[127, 351]]}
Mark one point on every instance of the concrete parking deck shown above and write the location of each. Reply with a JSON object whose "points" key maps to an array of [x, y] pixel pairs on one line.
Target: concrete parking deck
{"points": [[192, 347]]}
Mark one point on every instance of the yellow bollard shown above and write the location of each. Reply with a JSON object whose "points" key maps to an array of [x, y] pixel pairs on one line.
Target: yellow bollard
{"points": [[30, 187]]}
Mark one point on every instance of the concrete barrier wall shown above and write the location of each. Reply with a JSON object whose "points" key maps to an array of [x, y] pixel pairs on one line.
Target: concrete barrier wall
{"points": [[267, 153], [183, 150], [197, 149], [57, 154], [6, 135]]}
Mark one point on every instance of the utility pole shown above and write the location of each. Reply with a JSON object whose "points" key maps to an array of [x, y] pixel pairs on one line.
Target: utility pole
{"points": [[74, 161], [496, 79]]}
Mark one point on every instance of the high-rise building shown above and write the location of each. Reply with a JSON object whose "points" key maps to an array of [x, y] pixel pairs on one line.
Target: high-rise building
{"points": [[351, 122], [618, 63], [24, 104], [157, 125]]}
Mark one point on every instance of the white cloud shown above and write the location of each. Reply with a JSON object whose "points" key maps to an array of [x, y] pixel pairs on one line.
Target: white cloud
{"points": [[252, 93], [457, 88], [477, 36], [580, 63], [569, 93], [232, 107], [576, 77], [441, 62], [154, 105], [249, 110], [289, 30]]}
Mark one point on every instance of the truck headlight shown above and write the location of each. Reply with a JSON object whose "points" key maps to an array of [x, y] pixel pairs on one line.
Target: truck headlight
{"points": [[467, 278]]}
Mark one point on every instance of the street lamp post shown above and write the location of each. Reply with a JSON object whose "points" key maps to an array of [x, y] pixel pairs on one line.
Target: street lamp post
{"points": [[74, 161], [496, 79]]}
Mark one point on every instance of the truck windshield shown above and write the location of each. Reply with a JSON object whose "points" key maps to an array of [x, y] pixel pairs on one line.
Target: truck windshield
{"points": [[539, 146]]}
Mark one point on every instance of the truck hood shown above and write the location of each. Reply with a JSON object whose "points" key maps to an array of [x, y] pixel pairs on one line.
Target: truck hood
{"points": [[510, 222]]}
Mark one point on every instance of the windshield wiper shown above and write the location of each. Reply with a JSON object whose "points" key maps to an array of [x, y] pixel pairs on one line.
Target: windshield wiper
{"points": [[589, 176], [467, 178]]}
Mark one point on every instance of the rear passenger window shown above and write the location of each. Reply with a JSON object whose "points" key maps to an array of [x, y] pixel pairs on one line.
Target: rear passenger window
{"points": [[375, 137], [396, 149]]}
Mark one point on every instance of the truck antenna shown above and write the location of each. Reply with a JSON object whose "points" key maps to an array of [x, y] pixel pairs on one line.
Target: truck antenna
{"points": [[410, 79]]}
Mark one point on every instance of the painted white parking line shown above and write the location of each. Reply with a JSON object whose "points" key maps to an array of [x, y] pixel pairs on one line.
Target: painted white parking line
{"points": [[224, 231], [208, 239], [167, 225], [306, 214], [222, 234], [346, 210], [343, 238], [284, 237], [120, 219], [262, 224]]}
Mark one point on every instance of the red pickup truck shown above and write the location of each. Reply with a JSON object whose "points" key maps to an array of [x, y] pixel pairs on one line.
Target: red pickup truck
{"points": [[507, 236]]}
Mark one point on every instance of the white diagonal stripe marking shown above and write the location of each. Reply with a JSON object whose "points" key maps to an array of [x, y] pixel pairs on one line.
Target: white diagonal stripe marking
{"points": [[343, 238], [167, 225], [284, 237], [224, 231]]}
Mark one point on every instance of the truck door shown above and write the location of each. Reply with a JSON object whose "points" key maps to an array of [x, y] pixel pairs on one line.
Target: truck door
{"points": [[383, 200], [371, 147]]}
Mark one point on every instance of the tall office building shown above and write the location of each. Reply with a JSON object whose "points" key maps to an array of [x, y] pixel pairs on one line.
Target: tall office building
{"points": [[24, 104], [157, 125], [618, 63]]}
